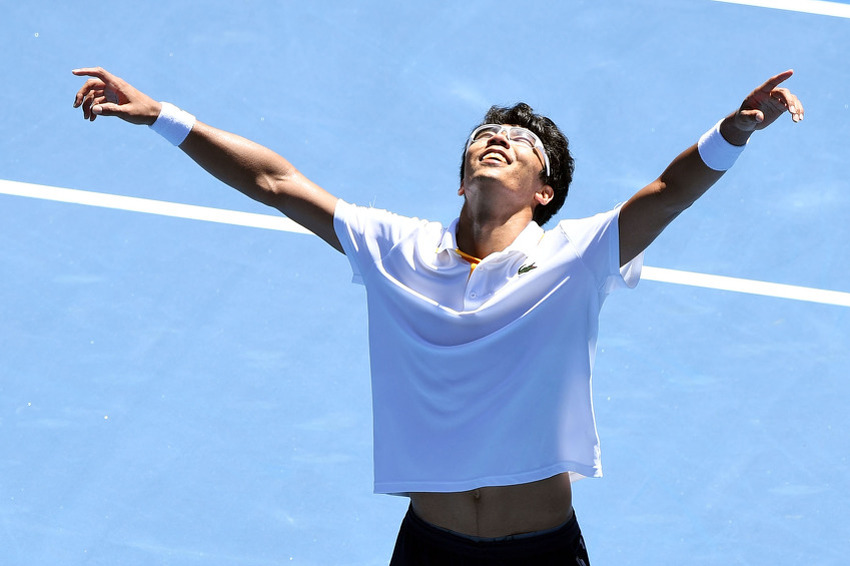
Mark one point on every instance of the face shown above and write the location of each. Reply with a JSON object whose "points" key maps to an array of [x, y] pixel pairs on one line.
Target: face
{"points": [[509, 155], [523, 137]]}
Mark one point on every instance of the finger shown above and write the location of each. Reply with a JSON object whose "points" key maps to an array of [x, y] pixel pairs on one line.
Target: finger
{"points": [[789, 101], [775, 80], [87, 104], [91, 84], [801, 112], [796, 108], [97, 100], [98, 72]]}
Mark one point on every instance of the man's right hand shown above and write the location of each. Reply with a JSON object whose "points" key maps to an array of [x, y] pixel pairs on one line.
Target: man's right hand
{"points": [[107, 95], [246, 166]]}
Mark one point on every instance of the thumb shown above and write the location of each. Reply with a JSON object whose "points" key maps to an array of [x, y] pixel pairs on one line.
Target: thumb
{"points": [[751, 118], [107, 109]]}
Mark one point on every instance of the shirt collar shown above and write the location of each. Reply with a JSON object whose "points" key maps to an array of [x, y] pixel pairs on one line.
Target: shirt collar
{"points": [[524, 243]]}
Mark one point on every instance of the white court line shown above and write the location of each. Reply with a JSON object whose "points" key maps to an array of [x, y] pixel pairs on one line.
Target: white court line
{"points": [[269, 222], [749, 286], [808, 6], [160, 207]]}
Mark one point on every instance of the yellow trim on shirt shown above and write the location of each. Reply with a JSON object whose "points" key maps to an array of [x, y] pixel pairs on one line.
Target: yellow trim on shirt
{"points": [[473, 261]]}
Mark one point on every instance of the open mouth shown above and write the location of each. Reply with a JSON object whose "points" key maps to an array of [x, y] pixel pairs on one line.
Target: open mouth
{"points": [[494, 155]]}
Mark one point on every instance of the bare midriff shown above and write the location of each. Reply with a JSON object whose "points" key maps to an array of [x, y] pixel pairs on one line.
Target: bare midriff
{"points": [[499, 511]]}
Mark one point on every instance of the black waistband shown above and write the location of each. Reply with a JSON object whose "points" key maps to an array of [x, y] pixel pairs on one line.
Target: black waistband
{"points": [[565, 536]]}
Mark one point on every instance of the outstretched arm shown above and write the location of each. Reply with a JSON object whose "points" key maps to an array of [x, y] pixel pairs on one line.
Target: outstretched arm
{"points": [[251, 168], [688, 177]]}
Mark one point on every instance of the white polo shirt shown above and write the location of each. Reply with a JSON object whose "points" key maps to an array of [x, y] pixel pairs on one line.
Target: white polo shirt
{"points": [[482, 378]]}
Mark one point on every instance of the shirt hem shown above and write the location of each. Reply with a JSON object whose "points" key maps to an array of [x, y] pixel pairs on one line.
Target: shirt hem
{"points": [[404, 488]]}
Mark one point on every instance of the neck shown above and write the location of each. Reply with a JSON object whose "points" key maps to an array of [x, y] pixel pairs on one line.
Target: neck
{"points": [[480, 236]]}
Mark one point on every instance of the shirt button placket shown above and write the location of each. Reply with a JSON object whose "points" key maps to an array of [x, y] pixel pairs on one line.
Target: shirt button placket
{"points": [[469, 293]]}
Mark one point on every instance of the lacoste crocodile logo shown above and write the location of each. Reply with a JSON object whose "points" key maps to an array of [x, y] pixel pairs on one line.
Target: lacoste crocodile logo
{"points": [[526, 268]]}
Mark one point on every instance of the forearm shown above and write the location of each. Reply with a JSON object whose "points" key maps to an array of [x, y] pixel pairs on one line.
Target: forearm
{"points": [[684, 181], [263, 175], [651, 209], [246, 166], [696, 169]]}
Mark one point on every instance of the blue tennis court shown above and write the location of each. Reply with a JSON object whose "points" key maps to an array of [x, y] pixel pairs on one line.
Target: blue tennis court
{"points": [[190, 384]]}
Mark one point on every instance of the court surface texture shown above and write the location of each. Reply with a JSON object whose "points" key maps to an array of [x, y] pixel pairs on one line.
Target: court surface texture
{"points": [[184, 376]]}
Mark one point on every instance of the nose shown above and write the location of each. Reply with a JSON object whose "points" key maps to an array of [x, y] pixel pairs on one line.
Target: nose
{"points": [[500, 138]]}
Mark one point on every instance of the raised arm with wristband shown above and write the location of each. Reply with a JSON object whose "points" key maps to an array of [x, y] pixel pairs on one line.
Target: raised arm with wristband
{"points": [[251, 168]]}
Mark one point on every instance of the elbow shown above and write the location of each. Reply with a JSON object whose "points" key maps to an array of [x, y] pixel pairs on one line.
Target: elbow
{"points": [[271, 188], [669, 201]]}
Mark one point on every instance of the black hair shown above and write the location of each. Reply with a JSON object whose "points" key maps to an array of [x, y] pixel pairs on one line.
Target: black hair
{"points": [[561, 163]]}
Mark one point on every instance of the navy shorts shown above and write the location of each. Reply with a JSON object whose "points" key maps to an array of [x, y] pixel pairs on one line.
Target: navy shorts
{"points": [[420, 543]]}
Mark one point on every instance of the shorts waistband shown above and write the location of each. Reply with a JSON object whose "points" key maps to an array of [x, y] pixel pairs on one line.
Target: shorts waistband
{"points": [[556, 537]]}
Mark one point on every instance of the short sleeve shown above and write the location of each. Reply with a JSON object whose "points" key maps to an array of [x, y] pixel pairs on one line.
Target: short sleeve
{"points": [[596, 240], [368, 234]]}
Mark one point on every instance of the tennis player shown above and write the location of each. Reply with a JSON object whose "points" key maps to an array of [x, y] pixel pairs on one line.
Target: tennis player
{"points": [[483, 332]]}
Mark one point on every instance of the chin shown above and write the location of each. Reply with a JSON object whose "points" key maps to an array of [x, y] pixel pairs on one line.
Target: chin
{"points": [[488, 174]]}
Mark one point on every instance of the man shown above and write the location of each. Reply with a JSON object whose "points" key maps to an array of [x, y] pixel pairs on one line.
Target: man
{"points": [[482, 334]]}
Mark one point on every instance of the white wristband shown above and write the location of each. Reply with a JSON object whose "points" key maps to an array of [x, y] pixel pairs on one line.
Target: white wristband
{"points": [[173, 124], [716, 152]]}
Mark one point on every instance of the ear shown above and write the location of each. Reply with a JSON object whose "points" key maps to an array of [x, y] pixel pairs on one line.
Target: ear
{"points": [[545, 195], [461, 190]]}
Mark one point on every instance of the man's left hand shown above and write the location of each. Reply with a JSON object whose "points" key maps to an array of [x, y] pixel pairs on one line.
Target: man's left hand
{"points": [[767, 103]]}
